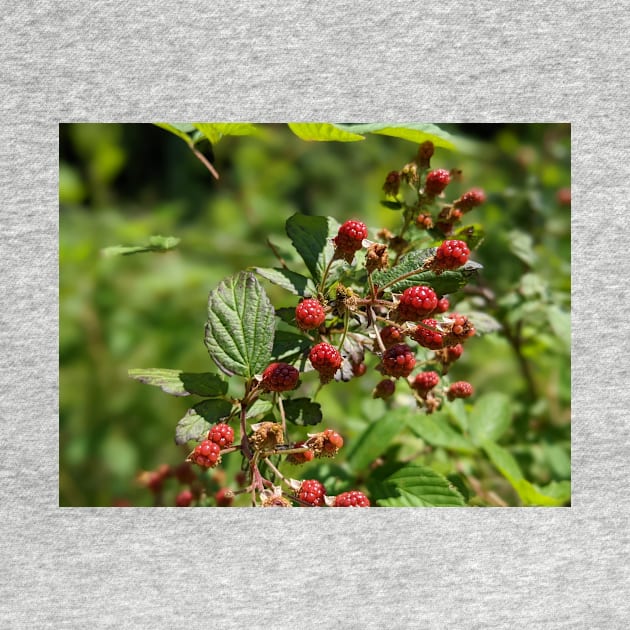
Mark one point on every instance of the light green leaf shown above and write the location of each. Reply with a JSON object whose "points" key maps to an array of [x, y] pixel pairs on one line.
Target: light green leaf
{"points": [[294, 282], [560, 322], [446, 282], [178, 130], [258, 408], [215, 131], [522, 246], [375, 440], [240, 327], [418, 486], [155, 244], [181, 383], [490, 417], [312, 238], [302, 411], [414, 132], [435, 429], [323, 132], [191, 427]]}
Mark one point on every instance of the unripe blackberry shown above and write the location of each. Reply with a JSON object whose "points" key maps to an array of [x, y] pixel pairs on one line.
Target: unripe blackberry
{"points": [[384, 389], [207, 454], [326, 360], [349, 239], [425, 381], [312, 492], [392, 335], [280, 377], [454, 352], [415, 303], [221, 434], [451, 255], [300, 458], [460, 389], [459, 328], [224, 497], [358, 369], [398, 361], [470, 200], [309, 314], [325, 444], [424, 221], [427, 335], [436, 181], [354, 498], [442, 305], [392, 183], [184, 498]]}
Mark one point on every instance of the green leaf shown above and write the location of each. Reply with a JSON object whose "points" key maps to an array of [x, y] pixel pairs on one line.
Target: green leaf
{"points": [[212, 409], [375, 440], [472, 235], [181, 383], [521, 245], [483, 322], [392, 205], [258, 408], [155, 244], [323, 132], [312, 238], [178, 130], [288, 345], [435, 429], [198, 420], [490, 417], [296, 283], [302, 411], [414, 132], [418, 486], [446, 282], [286, 314], [215, 131], [560, 322], [240, 326]]}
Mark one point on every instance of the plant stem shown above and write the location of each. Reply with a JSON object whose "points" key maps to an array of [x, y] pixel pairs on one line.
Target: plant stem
{"points": [[320, 289]]}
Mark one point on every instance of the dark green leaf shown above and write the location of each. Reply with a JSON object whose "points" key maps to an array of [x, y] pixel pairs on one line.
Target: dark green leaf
{"points": [[414, 132], [240, 326], [323, 132], [302, 411], [155, 244], [376, 439], [417, 486], [392, 205], [490, 417], [446, 282], [436, 430], [288, 345], [312, 238], [286, 314], [289, 280], [212, 409], [460, 484], [181, 383]]}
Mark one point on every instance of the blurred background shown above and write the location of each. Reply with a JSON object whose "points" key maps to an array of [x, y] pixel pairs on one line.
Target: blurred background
{"points": [[121, 183]]}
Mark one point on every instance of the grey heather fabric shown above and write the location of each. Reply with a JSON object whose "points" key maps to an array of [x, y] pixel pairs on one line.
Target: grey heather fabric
{"points": [[423, 568]]}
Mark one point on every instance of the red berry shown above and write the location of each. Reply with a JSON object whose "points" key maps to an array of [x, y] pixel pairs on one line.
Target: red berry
{"points": [[333, 438], [437, 181], [424, 221], [280, 377], [384, 389], [350, 237], [460, 328], [563, 196], [359, 369], [221, 434], [451, 255], [326, 360], [426, 381], [312, 492], [185, 473], [415, 303], [354, 498], [398, 360], [184, 498], [392, 335], [442, 305], [207, 454], [470, 200], [427, 335], [454, 352], [309, 314], [224, 497], [460, 389], [300, 458]]}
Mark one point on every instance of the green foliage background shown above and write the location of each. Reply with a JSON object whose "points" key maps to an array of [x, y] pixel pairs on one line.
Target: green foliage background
{"points": [[121, 184]]}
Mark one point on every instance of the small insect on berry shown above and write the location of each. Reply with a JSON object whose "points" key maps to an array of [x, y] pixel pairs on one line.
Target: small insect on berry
{"points": [[280, 377], [451, 255], [207, 454], [354, 498], [398, 361], [221, 434], [460, 389], [309, 314], [415, 303], [349, 239], [326, 360], [312, 492], [436, 181]]}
